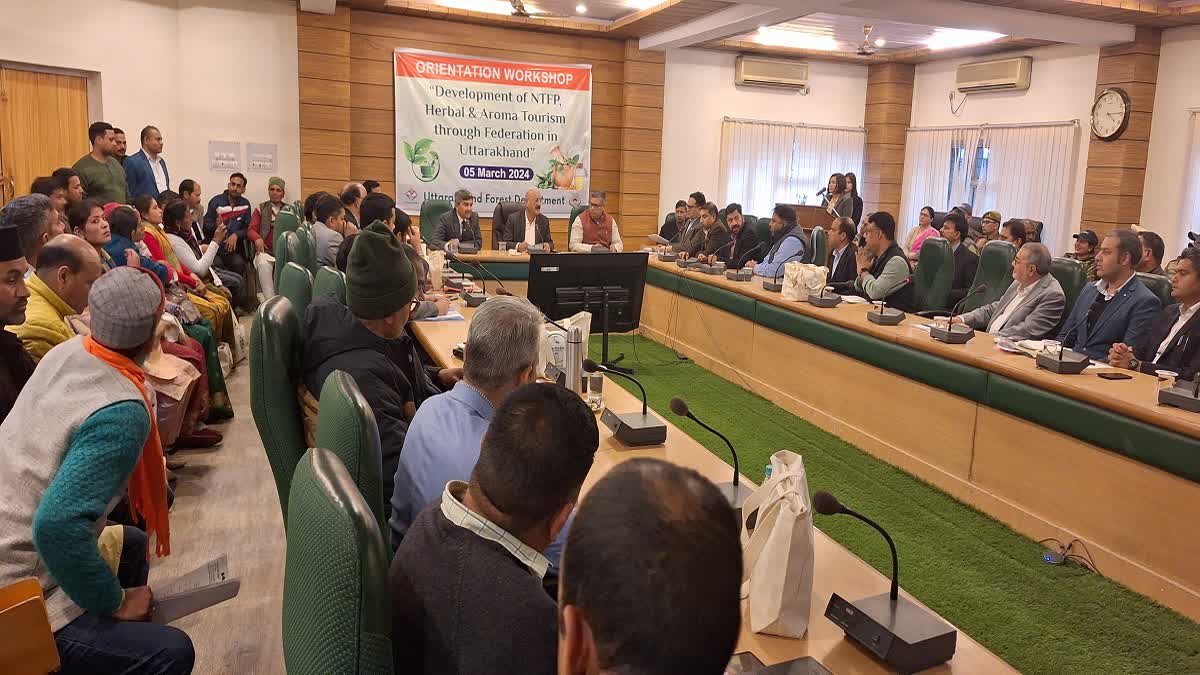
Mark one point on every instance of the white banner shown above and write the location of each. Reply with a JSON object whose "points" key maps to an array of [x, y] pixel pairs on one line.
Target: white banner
{"points": [[496, 128]]}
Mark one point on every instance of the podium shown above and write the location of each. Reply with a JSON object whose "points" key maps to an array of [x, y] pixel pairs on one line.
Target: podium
{"points": [[810, 216]]}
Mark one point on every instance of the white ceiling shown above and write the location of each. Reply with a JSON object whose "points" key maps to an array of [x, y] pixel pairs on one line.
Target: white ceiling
{"points": [[834, 32], [604, 10]]}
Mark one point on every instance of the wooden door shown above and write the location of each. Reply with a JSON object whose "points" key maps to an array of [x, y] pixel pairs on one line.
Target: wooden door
{"points": [[43, 126]]}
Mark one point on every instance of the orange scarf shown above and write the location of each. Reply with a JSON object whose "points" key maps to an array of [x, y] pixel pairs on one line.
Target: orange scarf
{"points": [[148, 482]]}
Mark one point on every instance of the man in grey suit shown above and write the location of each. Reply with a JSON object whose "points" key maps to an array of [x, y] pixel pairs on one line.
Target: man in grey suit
{"points": [[528, 228], [1032, 306], [460, 225]]}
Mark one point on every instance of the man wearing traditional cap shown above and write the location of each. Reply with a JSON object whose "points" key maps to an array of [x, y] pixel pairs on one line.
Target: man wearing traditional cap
{"points": [[15, 364], [58, 288], [82, 429], [366, 339], [262, 234]]}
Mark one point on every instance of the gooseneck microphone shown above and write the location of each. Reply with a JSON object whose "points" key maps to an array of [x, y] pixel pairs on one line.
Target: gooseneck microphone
{"points": [[774, 286], [956, 334], [828, 505], [734, 491], [484, 271], [981, 288], [590, 366], [631, 429]]}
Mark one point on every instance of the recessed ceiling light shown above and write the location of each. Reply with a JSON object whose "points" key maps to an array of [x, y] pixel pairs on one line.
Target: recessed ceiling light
{"points": [[880, 42], [581, 8], [951, 38]]}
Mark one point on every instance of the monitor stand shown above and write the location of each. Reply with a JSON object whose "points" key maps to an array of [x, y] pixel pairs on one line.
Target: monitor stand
{"points": [[604, 360]]}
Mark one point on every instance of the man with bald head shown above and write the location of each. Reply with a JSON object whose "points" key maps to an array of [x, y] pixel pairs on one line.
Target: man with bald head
{"points": [[67, 267], [528, 229], [352, 198]]}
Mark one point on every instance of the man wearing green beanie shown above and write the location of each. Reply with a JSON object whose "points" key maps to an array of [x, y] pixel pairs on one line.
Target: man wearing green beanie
{"points": [[367, 340]]}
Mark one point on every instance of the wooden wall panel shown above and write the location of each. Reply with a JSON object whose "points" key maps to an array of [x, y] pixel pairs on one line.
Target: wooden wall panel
{"points": [[887, 116], [347, 103]]}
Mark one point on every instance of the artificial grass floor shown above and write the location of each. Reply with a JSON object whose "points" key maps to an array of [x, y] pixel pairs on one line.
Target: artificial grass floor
{"points": [[976, 572]]}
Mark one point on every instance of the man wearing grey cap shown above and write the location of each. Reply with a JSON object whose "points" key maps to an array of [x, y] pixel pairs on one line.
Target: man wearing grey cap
{"points": [[82, 429]]}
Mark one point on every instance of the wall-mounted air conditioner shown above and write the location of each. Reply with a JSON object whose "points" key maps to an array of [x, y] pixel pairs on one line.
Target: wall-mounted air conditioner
{"points": [[767, 72], [1010, 74]]}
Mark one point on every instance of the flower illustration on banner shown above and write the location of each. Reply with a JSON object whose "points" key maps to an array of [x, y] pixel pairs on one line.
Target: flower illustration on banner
{"points": [[426, 164], [560, 174]]}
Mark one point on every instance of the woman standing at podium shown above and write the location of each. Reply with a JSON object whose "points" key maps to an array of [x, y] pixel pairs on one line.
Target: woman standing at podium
{"points": [[838, 201], [852, 188]]}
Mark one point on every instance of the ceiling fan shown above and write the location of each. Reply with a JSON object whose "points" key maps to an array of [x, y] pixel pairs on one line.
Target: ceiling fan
{"points": [[519, 9], [864, 49]]}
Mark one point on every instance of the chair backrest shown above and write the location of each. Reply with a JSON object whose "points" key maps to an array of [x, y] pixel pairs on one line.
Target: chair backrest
{"points": [[762, 227], [1158, 285], [500, 216], [296, 284], [668, 221], [336, 606], [330, 281], [994, 270], [934, 275], [1071, 275], [28, 646], [274, 370], [305, 253], [818, 246], [432, 211], [575, 214], [286, 221], [284, 248], [346, 427]]}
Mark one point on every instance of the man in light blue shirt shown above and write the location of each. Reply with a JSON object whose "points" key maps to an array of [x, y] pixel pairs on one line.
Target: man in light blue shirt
{"points": [[503, 352], [787, 243]]}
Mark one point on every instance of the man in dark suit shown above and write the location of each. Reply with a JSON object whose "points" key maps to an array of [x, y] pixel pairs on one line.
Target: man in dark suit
{"points": [[842, 251], [1117, 308], [742, 245], [691, 233], [528, 228], [955, 231], [674, 221], [1171, 345], [460, 225]]}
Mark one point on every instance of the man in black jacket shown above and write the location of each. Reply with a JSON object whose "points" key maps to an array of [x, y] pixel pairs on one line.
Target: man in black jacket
{"points": [[367, 340], [1170, 346], [955, 230], [743, 244], [842, 252], [528, 227]]}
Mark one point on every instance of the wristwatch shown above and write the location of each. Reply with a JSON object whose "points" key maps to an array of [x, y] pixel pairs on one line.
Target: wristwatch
{"points": [[1134, 364]]}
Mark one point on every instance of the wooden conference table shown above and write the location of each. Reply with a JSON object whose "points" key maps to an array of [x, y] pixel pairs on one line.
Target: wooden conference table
{"points": [[837, 570]]}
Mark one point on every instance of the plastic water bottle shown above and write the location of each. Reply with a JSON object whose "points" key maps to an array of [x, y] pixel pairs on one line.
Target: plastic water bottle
{"points": [[767, 473]]}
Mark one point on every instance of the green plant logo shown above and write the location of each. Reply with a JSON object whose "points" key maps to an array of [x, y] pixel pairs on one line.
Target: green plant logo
{"points": [[426, 165]]}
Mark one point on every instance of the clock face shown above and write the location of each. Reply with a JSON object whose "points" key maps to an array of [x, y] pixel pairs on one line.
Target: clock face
{"points": [[1110, 114]]}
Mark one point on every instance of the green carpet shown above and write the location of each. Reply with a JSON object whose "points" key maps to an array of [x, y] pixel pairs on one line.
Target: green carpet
{"points": [[976, 572]]}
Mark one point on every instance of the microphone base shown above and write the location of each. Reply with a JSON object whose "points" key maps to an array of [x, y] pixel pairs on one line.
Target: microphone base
{"points": [[667, 257], [1179, 397], [634, 429], [901, 633], [825, 300], [687, 263], [468, 249], [475, 299], [890, 316], [1068, 362], [715, 270], [736, 495], [773, 286], [957, 334], [739, 275]]}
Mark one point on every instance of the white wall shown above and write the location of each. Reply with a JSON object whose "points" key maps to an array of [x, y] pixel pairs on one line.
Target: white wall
{"points": [[1062, 87], [1178, 90], [199, 70], [699, 92]]}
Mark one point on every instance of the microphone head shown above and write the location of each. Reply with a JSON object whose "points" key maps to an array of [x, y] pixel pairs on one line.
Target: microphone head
{"points": [[679, 406], [826, 504], [590, 366], [503, 291]]}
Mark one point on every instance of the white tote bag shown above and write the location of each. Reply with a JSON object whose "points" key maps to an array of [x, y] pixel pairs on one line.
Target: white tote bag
{"points": [[778, 550], [802, 279]]}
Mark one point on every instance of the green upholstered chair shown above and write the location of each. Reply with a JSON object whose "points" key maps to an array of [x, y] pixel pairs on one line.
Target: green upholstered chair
{"points": [[337, 616], [284, 248], [818, 246], [762, 227], [346, 427], [1072, 276], [286, 221], [432, 211], [275, 348], [1158, 285], [934, 275], [994, 270], [306, 253], [750, 220], [669, 220], [500, 217], [296, 284], [330, 281], [575, 213]]}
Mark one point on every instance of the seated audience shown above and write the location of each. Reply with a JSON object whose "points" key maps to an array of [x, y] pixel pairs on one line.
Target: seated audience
{"points": [[126, 229], [80, 433], [72, 186], [1170, 346], [918, 235], [466, 581], [145, 169], [330, 228], [990, 227], [310, 205], [1033, 230], [87, 222], [36, 220], [199, 262], [230, 255], [1153, 250], [882, 266], [787, 243], [100, 173], [716, 235], [652, 574], [1033, 305], [1085, 252], [671, 228], [371, 186], [955, 231], [366, 339], [262, 234], [58, 289], [838, 201], [528, 227], [211, 300], [15, 365], [595, 227], [852, 190], [1014, 232], [503, 352], [744, 243], [189, 192], [428, 304], [842, 253], [1117, 308], [691, 229], [378, 207], [352, 195], [459, 225], [56, 191]]}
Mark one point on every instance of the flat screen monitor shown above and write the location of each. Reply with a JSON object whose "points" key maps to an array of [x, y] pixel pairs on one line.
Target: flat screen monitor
{"points": [[562, 285]]}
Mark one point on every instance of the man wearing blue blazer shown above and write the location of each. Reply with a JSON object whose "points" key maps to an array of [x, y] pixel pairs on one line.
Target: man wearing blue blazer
{"points": [[1118, 307], [145, 170]]}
